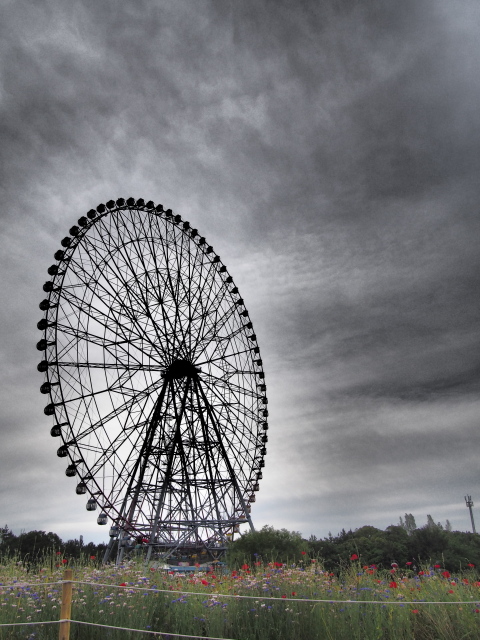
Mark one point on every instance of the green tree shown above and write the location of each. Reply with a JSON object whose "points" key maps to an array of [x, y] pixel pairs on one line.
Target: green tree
{"points": [[267, 545], [410, 524], [428, 543], [37, 543], [7, 540]]}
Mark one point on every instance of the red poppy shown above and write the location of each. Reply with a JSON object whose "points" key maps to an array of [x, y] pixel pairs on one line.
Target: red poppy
{"points": [[59, 553], [421, 573], [294, 593], [393, 585], [414, 610], [354, 556], [450, 591], [245, 567], [476, 584], [278, 564], [205, 582], [408, 563], [304, 553], [284, 596], [92, 557], [446, 574], [64, 561], [258, 564], [437, 566], [392, 570], [470, 565], [124, 584], [477, 610], [234, 573]]}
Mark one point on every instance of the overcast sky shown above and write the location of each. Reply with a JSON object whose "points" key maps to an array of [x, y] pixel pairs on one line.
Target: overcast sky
{"points": [[330, 153]]}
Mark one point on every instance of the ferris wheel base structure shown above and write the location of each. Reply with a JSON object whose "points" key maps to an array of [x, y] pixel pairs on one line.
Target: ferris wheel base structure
{"points": [[155, 381], [206, 550]]}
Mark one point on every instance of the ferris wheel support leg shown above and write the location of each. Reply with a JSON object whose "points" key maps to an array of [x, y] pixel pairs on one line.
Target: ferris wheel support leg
{"points": [[143, 456], [177, 442], [206, 437], [225, 456]]}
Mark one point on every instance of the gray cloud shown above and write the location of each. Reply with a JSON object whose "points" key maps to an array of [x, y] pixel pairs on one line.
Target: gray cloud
{"points": [[329, 152]]}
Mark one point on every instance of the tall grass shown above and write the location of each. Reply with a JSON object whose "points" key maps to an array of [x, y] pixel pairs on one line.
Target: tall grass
{"points": [[148, 599]]}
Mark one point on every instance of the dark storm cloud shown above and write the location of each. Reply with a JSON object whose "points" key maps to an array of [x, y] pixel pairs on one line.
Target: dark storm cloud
{"points": [[330, 152]]}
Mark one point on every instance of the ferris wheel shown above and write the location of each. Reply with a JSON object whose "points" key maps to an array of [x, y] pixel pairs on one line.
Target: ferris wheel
{"points": [[154, 378]]}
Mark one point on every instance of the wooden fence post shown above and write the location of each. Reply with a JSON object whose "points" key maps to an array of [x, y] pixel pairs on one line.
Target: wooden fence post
{"points": [[66, 610]]}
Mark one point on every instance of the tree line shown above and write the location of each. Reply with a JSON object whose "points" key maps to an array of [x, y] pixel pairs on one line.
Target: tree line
{"points": [[406, 545], [38, 544]]}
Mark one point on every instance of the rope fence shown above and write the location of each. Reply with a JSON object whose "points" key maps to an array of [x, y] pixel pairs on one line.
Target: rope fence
{"points": [[67, 588]]}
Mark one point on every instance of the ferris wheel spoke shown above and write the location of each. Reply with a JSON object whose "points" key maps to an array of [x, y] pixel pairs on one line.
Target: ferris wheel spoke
{"points": [[166, 278], [204, 294], [222, 358], [165, 282], [172, 287], [102, 421], [127, 309], [225, 385], [98, 316], [214, 303], [110, 365], [214, 331], [165, 317], [146, 271], [242, 414], [83, 335]]}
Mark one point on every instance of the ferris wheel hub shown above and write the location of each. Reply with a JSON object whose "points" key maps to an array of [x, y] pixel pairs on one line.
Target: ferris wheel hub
{"points": [[181, 369]]}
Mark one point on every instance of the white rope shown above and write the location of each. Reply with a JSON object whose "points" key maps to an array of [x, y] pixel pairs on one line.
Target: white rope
{"points": [[18, 624], [154, 633], [277, 598]]}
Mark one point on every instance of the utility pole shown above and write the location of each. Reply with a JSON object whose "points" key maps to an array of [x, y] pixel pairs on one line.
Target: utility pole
{"points": [[469, 502]]}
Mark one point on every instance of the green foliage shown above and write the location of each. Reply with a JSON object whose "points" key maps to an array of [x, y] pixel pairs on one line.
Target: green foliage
{"points": [[35, 545], [267, 545], [428, 544]]}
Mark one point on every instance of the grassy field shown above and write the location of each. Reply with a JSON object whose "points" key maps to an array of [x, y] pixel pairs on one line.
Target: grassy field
{"points": [[281, 604]]}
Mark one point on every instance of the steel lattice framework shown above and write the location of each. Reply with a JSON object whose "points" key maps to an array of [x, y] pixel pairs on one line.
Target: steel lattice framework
{"points": [[155, 378]]}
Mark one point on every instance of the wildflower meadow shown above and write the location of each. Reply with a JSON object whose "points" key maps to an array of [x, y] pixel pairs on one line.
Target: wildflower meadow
{"points": [[260, 601]]}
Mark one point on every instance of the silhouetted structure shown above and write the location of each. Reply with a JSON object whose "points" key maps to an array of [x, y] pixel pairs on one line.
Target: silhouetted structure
{"points": [[468, 500]]}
